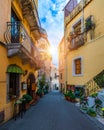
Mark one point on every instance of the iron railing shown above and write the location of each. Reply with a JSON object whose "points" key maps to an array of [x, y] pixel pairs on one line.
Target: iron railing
{"points": [[91, 87], [16, 35], [76, 40], [96, 83]]}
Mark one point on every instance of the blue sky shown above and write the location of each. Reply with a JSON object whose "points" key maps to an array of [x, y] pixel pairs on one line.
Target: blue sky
{"points": [[52, 19]]}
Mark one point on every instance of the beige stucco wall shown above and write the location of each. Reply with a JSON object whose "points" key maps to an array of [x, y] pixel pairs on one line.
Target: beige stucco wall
{"points": [[61, 64]]}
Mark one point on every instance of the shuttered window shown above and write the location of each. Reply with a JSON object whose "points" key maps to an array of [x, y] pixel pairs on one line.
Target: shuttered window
{"points": [[77, 66]]}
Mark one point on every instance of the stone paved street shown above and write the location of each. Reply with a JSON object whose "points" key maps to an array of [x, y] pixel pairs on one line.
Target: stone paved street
{"points": [[52, 112]]}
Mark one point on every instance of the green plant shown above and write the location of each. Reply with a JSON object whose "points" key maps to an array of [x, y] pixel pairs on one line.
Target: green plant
{"points": [[46, 86], [89, 24], [98, 101], [91, 112], [66, 94], [45, 91], [39, 92], [71, 94], [42, 82], [27, 98], [94, 95]]}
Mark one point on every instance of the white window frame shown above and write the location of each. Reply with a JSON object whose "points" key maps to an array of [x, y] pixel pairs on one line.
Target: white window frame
{"points": [[73, 66]]}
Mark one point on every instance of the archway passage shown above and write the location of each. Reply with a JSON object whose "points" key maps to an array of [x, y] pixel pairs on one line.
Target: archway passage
{"points": [[31, 80]]}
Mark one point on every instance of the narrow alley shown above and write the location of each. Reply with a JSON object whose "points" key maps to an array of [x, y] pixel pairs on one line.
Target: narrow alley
{"points": [[52, 112]]}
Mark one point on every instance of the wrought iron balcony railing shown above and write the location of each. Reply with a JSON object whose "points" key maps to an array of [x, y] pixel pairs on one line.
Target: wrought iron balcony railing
{"points": [[17, 35], [76, 40], [19, 43]]}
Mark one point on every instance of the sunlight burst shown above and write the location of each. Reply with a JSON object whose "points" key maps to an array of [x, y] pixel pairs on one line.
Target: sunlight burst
{"points": [[52, 50]]}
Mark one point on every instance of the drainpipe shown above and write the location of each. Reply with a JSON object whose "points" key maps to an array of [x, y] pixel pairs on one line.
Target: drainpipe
{"points": [[65, 65], [82, 16]]}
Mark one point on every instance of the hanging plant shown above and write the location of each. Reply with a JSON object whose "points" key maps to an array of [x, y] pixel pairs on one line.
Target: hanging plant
{"points": [[89, 24]]}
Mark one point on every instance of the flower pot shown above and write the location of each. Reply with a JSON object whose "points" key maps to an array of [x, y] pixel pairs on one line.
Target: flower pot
{"points": [[27, 106]]}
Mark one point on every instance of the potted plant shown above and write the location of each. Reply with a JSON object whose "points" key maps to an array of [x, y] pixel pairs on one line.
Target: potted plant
{"points": [[41, 85], [89, 25], [91, 112], [98, 102], [39, 92], [67, 96], [45, 90], [27, 99], [72, 96]]}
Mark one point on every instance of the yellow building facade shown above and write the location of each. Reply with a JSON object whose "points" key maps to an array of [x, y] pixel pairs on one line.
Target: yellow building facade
{"points": [[61, 63], [19, 57], [84, 48], [44, 47]]}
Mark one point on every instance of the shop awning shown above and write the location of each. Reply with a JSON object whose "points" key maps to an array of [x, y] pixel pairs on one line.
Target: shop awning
{"points": [[14, 69]]}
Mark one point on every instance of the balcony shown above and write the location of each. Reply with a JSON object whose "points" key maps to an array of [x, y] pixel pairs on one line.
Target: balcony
{"points": [[30, 13], [43, 33], [76, 41], [19, 44]]}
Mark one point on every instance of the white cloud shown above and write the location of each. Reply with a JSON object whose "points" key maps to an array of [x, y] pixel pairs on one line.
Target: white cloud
{"points": [[51, 15]]}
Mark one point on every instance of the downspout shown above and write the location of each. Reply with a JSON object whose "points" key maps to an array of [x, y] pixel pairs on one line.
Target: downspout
{"points": [[65, 56], [82, 16]]}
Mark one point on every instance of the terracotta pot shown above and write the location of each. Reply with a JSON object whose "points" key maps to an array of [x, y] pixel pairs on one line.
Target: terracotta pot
{"points": [[27, 106]]}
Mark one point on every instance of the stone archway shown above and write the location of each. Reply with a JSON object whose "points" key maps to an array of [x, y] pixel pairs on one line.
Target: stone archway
{"points": [[30, 81]]}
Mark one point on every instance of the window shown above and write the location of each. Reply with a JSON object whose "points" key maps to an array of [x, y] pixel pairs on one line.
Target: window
{"points": [[78, 25], [55, 76], [15, 28], [77, 66], [14, 83]]}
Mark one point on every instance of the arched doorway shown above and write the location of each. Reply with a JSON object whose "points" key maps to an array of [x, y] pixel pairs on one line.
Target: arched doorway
{"points": [[30, 81]]}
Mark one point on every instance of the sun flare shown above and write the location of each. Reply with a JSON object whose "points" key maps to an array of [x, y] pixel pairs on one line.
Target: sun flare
{"points": [[52, 50]]}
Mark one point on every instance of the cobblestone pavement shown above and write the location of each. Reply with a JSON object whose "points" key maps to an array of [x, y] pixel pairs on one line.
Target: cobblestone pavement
{"points": [[53, 112]]}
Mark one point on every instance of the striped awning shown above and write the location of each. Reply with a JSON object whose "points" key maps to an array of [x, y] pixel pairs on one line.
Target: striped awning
{"points": [[14, 69]]}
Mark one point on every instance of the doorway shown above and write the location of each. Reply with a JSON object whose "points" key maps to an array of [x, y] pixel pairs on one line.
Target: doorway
{"points": [[30, 81]]}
